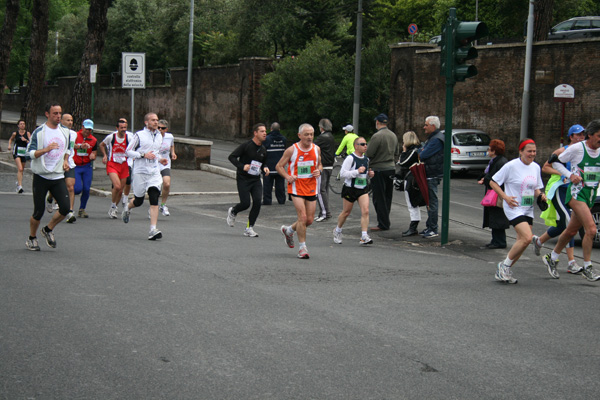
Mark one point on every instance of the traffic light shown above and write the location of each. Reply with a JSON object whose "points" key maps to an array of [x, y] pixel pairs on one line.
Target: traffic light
{"points": [[456, 48], [464, 34]]}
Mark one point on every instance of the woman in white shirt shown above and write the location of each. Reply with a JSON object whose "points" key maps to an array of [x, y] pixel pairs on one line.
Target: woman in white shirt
{"points": [[523, 184]]}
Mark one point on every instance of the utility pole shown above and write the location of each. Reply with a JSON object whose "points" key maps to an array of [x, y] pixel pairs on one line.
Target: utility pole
{"points": [[356, 109], [188, 91], [527, 79]]}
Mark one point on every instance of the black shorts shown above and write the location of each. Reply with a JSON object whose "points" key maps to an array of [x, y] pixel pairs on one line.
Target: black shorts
{"points": [[522, 218], [309, 198], [165, 172], [352, 194], [70, 173], [23, 159]]}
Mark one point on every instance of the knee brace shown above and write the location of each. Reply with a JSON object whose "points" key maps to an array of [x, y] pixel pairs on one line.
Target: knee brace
{"points": [[138, 201], [153, 195]]}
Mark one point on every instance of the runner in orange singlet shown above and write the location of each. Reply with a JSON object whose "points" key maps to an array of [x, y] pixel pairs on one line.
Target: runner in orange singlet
{"points": [[300, 165]]}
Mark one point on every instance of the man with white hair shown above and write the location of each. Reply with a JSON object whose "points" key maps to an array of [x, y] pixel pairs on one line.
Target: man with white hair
{"points": [[432, 154]]}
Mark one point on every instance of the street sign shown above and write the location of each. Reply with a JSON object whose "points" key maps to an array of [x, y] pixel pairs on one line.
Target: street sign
{"points": [[134, 70], [564, 93], [412, 29], [93, 72]]}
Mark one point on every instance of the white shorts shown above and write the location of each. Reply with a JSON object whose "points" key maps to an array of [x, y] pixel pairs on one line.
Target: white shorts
{"points": [[142, 182]]}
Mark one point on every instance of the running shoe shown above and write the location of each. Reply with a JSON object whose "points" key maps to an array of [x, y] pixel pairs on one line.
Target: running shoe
{"points": [[337, 236], [574, 268], [165, 210], [289, 239], [536, 248], [230, 217], [504, 273], [154, 234], [430, 234], [589, 274], [55, 207], [82, 213], [320, 218], [49, 236], [365, 240], [48, 204], [125, 215], [551, 264], [424, 231], [112, 213], [32, 244], [20, 189], [303, 253], [250, 232], [71, 217]]}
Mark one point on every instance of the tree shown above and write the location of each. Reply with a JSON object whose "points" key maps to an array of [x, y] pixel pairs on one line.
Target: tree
{"points": [[94, 45], [37, 62], [542, 19], [6, 38]]}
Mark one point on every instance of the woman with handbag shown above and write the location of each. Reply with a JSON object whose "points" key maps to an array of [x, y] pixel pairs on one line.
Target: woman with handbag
{"points": [[493, 217], [409, 157], [523, 184]]}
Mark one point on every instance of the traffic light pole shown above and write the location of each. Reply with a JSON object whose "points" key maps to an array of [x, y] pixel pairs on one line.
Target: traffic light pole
{"points": [[450, 81]]}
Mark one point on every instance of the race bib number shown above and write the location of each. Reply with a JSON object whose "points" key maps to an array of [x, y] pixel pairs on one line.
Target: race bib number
{"points": [[82, 152], [21, 151], [527, 201], [304, 169], [360, 182], [119, 157], [254, 168], [591, 176]]}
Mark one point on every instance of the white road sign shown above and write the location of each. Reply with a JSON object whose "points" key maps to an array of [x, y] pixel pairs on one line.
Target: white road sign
{"points": [[134, 70], [564, 91]]}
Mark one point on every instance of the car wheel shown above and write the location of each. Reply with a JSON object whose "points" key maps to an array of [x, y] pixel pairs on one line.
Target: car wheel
{"points": [[596, 216]]}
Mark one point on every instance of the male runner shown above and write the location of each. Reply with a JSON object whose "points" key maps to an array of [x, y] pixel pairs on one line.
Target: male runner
{"points": [[115, 159], [301, 165]]}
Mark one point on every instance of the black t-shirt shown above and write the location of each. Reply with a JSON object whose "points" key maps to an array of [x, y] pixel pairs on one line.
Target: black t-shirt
{"points": [[249, 153]]}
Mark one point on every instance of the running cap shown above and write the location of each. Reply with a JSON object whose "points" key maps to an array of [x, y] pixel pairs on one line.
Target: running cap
{"points": [[88, 124], [348, 128], [382, 118], [575, 129]]}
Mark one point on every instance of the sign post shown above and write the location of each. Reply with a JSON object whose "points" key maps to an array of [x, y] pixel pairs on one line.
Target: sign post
{"points": [[563, 94], [412, 30], [133, 76], [93, 71]]}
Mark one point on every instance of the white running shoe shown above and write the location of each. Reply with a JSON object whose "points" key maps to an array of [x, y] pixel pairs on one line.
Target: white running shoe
{"points": [[230, 217], [589, 274], [574, 268], [551, 265], [71, 217], [55, 207], [303, 253], [154, 234], [32, 244], [536, 248], [125, 215], [337, 236], [48, 205], [165, 210], [20, 189], [250, 232], [113, 212], [365, 240], [504, 274], [289, 239]]}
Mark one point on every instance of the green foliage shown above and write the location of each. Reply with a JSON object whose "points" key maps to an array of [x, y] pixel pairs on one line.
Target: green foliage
{"points": [[315, 84]]}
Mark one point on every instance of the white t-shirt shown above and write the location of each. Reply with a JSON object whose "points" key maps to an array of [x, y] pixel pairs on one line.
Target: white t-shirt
{"points": [[574, 155], [53, 157], [165, 150], [520, 181], [73, 136]]}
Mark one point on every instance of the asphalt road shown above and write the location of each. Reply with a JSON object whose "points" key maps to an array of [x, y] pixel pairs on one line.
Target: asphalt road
{"points": [[207, 313]]}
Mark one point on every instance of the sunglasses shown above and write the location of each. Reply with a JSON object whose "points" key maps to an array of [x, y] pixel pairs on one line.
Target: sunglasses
{"points": [[162, 127], [361, 144]]}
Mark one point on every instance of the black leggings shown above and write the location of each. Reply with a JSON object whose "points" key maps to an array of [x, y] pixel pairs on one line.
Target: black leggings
{"points": [[246, 189], [58, 189]]}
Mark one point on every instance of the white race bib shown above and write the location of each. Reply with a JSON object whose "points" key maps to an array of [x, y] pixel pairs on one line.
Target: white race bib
{"points": [[254, 168]]}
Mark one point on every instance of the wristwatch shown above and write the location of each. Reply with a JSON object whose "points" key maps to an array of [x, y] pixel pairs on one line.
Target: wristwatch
{"points": [[142, 155]]}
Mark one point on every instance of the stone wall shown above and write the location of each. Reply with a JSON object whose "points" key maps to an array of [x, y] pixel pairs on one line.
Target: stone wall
{"points": [[492, 100], [225, 99]]}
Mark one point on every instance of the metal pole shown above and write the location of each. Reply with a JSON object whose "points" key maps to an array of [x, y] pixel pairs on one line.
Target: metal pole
{"points": [[526, 83], [356, 109], [92, 102], [188, 92], [132, 109]]}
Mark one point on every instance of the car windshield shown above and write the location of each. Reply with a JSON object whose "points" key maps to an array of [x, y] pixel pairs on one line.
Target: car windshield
{"points": [[471, 139], [563, 26]]}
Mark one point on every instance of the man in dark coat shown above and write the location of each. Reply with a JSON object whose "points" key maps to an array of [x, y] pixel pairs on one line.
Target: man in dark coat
{"points": [[275, 145]]}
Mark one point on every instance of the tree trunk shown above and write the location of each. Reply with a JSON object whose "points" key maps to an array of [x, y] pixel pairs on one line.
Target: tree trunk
{"points": [[81, 106], [37, 63], [6, 38], [542, 19]]}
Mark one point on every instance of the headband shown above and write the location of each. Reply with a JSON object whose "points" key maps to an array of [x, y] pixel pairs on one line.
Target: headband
{"points": [[525, 143]]}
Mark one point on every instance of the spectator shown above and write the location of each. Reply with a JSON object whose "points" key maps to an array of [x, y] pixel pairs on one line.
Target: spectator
{"points": [[347, 141], [275, 145], [409, 156], [432, 154], [383, 151]]}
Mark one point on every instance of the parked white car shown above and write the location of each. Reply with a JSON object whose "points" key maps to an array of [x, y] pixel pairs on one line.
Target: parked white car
{"points": [[469, 150]]}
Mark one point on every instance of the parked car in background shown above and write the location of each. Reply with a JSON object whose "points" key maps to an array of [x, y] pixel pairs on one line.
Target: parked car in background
{"points": [[576, 28], [435, 40], [469, 150]]}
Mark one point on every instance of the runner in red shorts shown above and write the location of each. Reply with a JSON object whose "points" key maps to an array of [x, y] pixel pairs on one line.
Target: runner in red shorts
{"points": [[116, 163]]}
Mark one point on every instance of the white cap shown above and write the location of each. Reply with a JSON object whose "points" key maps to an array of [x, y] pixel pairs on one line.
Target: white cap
{"points": [[348, 128]]}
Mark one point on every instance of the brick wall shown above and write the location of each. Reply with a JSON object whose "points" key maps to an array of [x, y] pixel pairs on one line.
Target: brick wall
{"points": [[492, 100]]}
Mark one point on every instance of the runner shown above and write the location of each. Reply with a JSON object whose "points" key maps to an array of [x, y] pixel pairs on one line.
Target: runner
{"points": [[145, 149], [301, 165], [115, 160], [86, 146], [49, 154], [522, 182], [355, 171], [167, 151], [581, 194], [21, 139], [249, 160], [67, 122]]}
